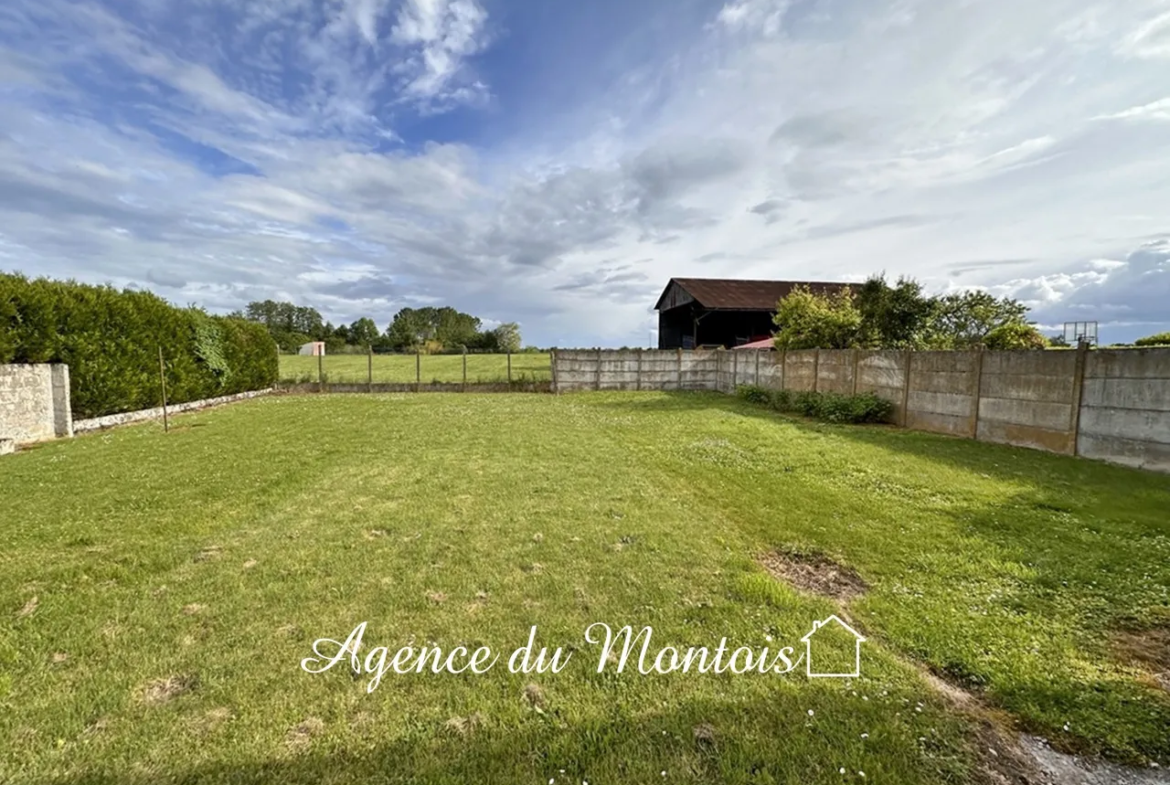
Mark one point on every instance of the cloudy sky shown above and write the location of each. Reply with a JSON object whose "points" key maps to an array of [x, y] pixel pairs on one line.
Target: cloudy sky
{"points": [[555, 162]]}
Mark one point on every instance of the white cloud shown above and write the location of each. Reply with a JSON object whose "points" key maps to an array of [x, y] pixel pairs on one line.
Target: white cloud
{"points": [[1151, 40], [442, 33], [931, 139], [1155, 110]]}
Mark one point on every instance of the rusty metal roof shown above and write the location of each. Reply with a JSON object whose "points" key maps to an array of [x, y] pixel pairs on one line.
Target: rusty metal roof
{"points": [[745, 295]]}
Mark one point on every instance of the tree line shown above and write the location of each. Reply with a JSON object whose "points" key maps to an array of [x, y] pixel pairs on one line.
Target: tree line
{"points": [[430, 330], [880, 315]]}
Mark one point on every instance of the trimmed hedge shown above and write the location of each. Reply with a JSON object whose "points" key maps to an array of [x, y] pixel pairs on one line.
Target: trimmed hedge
{"points": [[110, 341], [1160, 339], [830, 407]]}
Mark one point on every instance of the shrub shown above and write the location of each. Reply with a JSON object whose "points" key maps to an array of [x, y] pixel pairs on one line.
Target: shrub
{"points": [[110, 340], [830, 407], [1015, 336], [1160, 339], [754, 394]]}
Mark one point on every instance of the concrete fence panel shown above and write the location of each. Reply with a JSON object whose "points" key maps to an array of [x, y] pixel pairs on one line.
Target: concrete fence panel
{"points": [[941, 395], [1125, 408]]}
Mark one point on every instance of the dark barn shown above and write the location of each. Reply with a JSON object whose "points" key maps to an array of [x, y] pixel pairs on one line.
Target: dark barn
{"points": [[709, 312]]}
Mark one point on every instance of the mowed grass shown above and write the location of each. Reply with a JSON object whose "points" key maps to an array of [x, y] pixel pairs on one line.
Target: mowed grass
{"points": [[159, 591], [407, 368]]}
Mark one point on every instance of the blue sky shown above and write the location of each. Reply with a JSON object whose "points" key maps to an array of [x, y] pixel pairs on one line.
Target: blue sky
{"points": [[554, 163]]}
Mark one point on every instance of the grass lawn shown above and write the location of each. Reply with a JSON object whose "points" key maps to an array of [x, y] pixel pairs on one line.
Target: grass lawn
{"points": [[400, 368], [158, 593]]}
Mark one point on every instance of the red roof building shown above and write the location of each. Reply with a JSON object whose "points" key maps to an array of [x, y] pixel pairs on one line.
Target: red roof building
{"points": [[712, 312]]}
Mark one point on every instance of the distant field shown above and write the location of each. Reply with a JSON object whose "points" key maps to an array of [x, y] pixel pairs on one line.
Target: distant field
{"points": [[398, 368]]}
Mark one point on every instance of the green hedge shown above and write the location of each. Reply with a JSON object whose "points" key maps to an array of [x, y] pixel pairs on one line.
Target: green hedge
{"points": [[1161, 339], [830, 407], [110, 341]]}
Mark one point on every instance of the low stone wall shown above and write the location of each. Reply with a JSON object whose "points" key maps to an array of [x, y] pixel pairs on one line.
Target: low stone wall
{"points": [[111, 420], [34, 403]]}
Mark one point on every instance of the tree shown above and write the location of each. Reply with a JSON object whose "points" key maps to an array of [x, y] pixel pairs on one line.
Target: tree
{"points": [[1014, 336], [410, 328], [894, 317], [809, 321], [507, 337], [363, 332], [963, 321]]}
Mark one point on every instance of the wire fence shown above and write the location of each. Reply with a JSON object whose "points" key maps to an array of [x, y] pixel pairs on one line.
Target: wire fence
{"points": [[416, 368]]}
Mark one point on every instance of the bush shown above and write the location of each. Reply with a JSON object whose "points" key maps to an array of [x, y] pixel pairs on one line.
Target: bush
{"points": [[1015, 336], [830, 407], [1160, 339], [110, 340]]}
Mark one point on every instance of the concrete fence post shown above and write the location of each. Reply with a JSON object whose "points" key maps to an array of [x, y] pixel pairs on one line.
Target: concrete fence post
{"points": [[908, 356], [734, 369], [638, 379], [552, 369], [597, 382], [757, 367], [680, 368], [464, 388], [418, 370], [509, 366], [783, 369], [62, 404], [976, 393], [1078, 395], [816, 370], [320, 369], [370, 368], [856, 358]]}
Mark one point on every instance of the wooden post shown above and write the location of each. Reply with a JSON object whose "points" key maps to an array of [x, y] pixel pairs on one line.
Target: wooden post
{"points": [[509, 366], [680, 367], [977, 392], [597, 381], [856, 357], [906, 388], [464, 389], [1078, 395], [816, 370], [418, 370], [162, 378], [370, 368], [639, 377]]}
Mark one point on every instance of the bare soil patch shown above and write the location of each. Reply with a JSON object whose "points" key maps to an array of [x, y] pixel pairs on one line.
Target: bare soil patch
{"points": [[162, 691], [814, 573], [1146, 649]]}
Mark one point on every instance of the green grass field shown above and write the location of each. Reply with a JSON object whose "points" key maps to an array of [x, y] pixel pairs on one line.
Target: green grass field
{"points": [[158, 593], [401, 368]]}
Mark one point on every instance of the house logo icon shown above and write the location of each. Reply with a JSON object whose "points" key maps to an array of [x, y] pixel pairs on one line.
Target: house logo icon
{"points": [[819, 627]]}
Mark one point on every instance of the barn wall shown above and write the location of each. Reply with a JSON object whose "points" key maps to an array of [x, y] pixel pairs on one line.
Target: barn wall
{"points": [[1113, 405]]}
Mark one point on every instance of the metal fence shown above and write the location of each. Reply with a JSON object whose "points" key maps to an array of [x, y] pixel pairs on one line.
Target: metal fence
{"points": [[370, 368]]}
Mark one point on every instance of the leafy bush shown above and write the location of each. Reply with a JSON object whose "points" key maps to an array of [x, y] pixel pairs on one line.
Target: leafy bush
{"points": [[830, 407], [1160, 339], [110, 340], [754, 394], [1014, 336]]}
